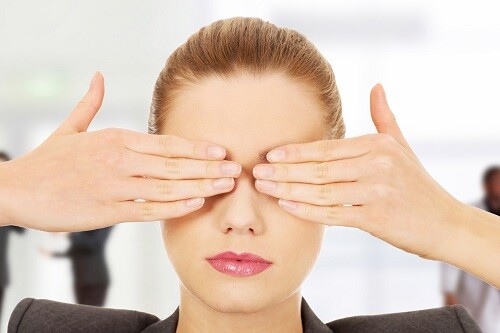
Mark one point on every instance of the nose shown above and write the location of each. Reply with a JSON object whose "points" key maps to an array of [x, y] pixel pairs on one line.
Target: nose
{"points": [[240, 214]]}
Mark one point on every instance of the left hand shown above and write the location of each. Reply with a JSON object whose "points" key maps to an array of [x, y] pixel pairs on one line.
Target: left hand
{"points": [[388, 192]]}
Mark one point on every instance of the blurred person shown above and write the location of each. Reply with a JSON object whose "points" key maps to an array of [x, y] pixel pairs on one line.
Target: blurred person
{"points": [[90, 270], [4, 234], [241, 260], [459, 287]]}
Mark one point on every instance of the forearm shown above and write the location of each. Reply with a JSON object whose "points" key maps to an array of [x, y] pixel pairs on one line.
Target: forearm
{"points": [[475, 246], [5, 218]]}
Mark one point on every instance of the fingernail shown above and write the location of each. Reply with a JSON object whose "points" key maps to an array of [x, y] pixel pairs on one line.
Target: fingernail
{"points": [[231, 168], [263, 171], [223, 183], [92, 82], [266, 185], [287, 205], [216, 152], [275, 155], [195, 202]]}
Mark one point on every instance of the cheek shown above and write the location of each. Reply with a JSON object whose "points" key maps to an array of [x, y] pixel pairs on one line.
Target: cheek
{"points": [[302, 246], [181, 236]]}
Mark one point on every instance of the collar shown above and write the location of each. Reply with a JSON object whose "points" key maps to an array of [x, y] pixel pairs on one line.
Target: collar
{"points": [[310, 322]]}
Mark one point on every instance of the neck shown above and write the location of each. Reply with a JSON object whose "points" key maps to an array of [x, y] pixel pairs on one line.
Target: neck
{"points": [[195, 316]]}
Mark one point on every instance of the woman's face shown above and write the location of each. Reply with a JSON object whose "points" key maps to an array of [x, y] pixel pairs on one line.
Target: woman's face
{"points": [[247, 115]]}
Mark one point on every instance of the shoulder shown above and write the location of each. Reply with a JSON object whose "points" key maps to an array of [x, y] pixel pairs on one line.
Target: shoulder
{"points": [[453, 319], [40, 315]]}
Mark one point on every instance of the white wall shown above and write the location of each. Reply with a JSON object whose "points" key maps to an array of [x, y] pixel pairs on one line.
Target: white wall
{"points": [[437, 60]]}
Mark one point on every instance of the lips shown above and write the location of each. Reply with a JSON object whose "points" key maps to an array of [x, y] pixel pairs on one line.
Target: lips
{"points": [[244, 264]]}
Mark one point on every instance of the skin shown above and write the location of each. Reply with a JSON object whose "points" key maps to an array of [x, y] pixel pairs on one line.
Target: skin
{"points": [[492, 195], [377, 184], [247, 116], [92, 180]]}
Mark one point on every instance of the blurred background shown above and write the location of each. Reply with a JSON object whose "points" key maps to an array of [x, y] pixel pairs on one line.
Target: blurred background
{"points": [[438, 61]]}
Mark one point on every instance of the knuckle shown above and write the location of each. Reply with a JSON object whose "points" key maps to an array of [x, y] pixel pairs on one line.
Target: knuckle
{"points": [[321, 170], [147, 210], [331, 215], [113, 158], [327, 147], [199, 150], [172, 165], [288, 189], [112, 134], [166, 144], [202, 186], [211, 167], [174, 209], [130, 137], [381, 191], [283, 170], [384, 163], [296, 151], [323, 192], [385, 141], [165, 187], [308, 211]]}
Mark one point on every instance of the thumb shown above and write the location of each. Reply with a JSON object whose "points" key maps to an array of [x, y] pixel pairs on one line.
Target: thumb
{"points": [[81, 117], [382, 116]]}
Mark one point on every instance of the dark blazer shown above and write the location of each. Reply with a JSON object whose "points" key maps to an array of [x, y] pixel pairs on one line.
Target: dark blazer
{"points": [[87, 256], [4, 269], [44, 316]]}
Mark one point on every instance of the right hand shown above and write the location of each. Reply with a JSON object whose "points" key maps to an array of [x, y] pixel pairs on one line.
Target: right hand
{"points": [[77, 180]]}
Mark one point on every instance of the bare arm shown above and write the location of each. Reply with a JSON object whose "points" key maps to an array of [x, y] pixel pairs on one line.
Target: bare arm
{"points": [[376, 183], [78, 180], [475, 248]]}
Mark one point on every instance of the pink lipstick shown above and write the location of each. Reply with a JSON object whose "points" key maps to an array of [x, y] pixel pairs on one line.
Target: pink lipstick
{"points": [[245, 264]]}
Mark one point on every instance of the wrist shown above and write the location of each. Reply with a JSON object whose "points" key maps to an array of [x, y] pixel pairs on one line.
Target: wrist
{"points": [[452, 232], [476, 244], [458, 235]]}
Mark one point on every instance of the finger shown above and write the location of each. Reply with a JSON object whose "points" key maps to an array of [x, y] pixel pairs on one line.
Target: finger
{"points": [[382, 116], [173, 146], [179, 168], [81, 117], [173, 190], [322, 150], [346, 170], [347, 216], [135, 211], [330, 194]]}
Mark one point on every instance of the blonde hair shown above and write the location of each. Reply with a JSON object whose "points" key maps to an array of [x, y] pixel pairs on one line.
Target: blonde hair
{"points": [[226, 47]]}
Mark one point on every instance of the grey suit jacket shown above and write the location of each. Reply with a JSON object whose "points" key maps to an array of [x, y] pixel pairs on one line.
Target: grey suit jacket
{"points": [[44, 316]]}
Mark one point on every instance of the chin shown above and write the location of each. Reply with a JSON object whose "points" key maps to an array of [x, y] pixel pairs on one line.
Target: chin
{"points": [[237, 298]]}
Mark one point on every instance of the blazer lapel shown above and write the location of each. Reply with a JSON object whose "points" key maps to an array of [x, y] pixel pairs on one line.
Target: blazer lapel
{"points": [[310, 322], [168, 325]]}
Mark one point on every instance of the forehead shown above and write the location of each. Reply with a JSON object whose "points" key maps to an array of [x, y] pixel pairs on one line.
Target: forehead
{"points": [[247, 114]]}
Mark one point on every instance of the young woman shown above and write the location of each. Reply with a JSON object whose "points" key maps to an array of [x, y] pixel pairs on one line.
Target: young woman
{"points": [[241, 258]]}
